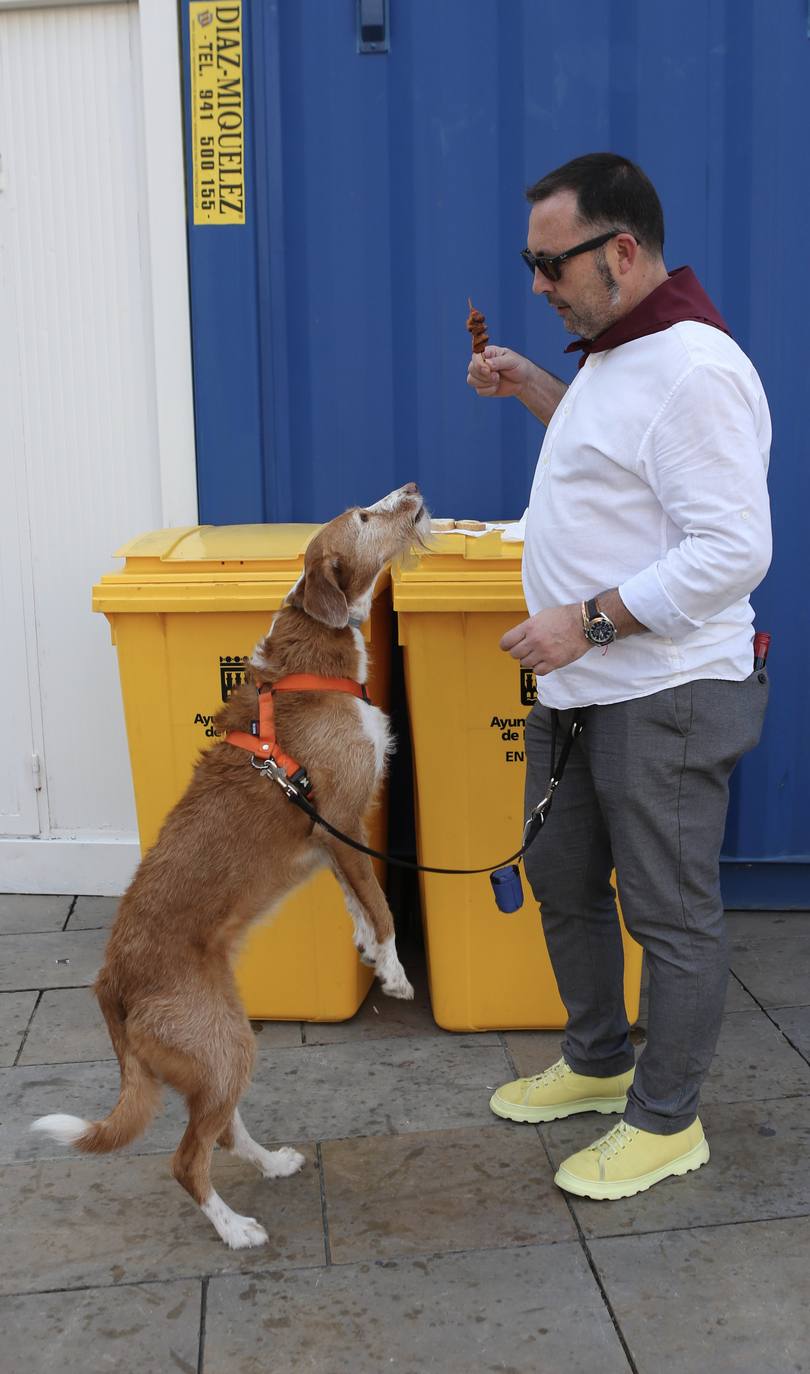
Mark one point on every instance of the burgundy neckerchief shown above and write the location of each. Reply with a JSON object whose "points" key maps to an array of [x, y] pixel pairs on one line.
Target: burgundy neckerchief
{"points": [[680, 297]]}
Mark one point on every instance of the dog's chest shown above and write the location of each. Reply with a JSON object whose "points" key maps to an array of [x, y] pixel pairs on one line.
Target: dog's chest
{"points": [[375, 727]]}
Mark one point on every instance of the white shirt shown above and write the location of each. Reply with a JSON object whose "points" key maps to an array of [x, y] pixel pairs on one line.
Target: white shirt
{"points": [[652, 479]]}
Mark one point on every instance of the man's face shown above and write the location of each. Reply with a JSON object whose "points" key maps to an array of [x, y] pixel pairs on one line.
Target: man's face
{"points": [[587, 297]]}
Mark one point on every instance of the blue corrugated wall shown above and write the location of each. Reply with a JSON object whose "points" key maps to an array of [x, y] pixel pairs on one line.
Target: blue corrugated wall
{"points": [[329, 342]]}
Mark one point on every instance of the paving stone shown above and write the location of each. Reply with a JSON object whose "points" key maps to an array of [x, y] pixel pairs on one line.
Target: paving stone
{"points": [[67, 1027], [524, 1310], [375, 1087], [795, 1023], [92, 912], [730, 1299], [21, 913], [758, 1170], [390, 1196], [754, 1061], [64, 959], [15, 1013], [101, 1329], [85, 1221], [766, 925], [775, 967]]}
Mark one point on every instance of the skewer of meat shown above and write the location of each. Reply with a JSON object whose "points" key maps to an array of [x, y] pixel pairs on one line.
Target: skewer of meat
{"points": [[477, 325]]}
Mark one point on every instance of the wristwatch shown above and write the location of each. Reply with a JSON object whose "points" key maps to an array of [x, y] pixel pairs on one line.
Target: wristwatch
{"points": [[597, 627]]}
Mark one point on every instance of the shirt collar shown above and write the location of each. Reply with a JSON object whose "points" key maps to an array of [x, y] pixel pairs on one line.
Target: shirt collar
{"points": [[680, 297]]}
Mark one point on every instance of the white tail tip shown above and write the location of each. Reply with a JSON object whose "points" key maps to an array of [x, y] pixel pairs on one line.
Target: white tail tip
{"points": [[65, 1129]]}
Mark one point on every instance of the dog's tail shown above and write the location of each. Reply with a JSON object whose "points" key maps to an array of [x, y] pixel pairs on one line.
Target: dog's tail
{"points": [[137, 1103]]}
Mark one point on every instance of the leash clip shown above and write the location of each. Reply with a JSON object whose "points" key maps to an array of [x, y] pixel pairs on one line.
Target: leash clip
{"points": [[296, 788], [270, 769], [538, 813]]}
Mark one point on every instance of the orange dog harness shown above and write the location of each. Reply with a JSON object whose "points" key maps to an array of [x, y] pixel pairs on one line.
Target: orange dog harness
{"points": [[262, 742]]}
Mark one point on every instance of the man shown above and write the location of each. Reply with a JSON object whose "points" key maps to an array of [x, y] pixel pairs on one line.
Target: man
{"points": [[647, 529]]}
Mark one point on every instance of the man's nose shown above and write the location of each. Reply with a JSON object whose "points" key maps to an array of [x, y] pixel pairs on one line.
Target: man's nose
{"points": [[541, 285]]}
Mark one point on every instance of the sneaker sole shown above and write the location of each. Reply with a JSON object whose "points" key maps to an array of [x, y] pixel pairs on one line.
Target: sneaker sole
{"points": [[515, 1111], [601, 1192]]}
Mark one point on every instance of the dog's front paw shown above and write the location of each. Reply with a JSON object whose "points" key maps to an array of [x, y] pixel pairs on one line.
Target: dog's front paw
{"points": [[398, 986]]}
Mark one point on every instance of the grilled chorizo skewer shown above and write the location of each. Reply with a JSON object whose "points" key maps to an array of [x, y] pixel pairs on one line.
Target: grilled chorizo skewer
{"points": [[477, 325]]}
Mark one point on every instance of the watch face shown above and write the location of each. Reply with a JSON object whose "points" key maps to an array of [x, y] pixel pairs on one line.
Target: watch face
{"points": [[601, 631]]}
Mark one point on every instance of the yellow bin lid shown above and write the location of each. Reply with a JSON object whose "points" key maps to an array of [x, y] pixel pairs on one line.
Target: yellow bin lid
{"points": [[462, 573], [206, 568]]}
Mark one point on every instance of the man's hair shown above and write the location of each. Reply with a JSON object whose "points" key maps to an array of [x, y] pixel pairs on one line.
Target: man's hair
{"points": [[612, 193]]}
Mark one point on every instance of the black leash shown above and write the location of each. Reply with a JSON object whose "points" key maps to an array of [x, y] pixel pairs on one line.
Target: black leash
{"points": [[270, 769]]}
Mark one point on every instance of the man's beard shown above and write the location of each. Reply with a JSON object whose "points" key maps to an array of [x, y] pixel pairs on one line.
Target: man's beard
{"points": [[587, 325]]}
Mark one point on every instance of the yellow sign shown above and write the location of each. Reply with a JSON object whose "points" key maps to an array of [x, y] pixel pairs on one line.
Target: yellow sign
{"points": [[217, 112]]}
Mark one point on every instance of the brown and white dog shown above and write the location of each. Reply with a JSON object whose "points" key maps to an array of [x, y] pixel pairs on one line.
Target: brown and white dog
{"points": [[233, 847]]}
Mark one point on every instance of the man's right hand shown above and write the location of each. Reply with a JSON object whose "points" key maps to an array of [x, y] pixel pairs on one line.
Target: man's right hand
{"points": [[498, 372]]}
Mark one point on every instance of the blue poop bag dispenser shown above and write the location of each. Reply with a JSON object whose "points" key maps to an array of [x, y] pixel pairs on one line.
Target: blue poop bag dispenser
{"points": [[507, 887]]}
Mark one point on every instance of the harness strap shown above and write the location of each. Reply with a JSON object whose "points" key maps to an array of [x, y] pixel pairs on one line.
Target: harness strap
{"points": [[262, 743]]}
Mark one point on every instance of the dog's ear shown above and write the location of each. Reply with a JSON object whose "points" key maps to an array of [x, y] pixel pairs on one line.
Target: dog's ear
{"points": [[323, 598]]}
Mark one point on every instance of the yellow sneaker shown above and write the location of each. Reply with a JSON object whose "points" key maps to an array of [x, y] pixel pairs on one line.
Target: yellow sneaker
{"points": [[558, 1091], [628, 1160]]}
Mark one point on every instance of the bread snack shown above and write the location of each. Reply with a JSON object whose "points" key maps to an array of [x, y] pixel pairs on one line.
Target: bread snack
{"points": [[470, 525], [477, 325], [441, 526]]}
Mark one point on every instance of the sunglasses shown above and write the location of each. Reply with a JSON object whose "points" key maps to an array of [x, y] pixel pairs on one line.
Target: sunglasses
{"points": [[551, 268]]}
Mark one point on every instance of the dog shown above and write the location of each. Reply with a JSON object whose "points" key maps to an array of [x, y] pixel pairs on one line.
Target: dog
{"points": [[232, 849]]}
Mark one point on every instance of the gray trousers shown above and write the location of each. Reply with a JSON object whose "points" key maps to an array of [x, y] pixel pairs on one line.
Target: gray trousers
{"points": [[645, 790]]}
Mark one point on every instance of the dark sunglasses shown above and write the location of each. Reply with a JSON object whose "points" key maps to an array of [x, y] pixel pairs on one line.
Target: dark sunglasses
{"points": [[551, 268]]}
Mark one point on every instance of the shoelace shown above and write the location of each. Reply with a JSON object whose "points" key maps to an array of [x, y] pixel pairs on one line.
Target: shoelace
{"points": [[550, 1075], [615, 1140]]}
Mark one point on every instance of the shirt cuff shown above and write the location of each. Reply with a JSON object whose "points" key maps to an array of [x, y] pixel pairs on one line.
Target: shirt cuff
{"points": [[646, 598]]}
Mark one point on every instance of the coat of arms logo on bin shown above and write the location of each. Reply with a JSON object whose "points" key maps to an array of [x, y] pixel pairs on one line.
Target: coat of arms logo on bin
{"points": [[231, 673], [528, 687]]}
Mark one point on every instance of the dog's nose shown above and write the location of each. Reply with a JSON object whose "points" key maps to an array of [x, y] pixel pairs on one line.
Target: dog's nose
{"points": [[411, 489]]}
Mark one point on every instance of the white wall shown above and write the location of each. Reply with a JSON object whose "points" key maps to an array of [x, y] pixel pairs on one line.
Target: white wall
{"points": [[82, 466]]}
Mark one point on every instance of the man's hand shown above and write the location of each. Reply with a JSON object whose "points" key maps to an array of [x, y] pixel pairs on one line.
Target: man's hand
{"points": [[498, 372], [551, 639]]}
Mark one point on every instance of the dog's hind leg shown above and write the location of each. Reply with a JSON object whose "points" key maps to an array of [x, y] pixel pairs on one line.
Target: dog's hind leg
{"points": [[359, 876], [191, 1167], [272, 1163]]}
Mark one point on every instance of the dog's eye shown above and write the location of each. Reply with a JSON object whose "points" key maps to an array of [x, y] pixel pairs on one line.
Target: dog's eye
{"points": [[363, 516]]}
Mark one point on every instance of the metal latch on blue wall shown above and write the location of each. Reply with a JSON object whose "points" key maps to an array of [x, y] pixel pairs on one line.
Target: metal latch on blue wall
{"points": [[372, 26]]}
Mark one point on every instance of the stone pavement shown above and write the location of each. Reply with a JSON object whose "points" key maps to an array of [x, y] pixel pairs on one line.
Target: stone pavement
{"points": [[422, 1233]]}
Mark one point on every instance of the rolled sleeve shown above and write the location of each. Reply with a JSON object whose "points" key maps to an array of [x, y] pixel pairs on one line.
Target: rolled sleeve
{"points": [[703, 460]]}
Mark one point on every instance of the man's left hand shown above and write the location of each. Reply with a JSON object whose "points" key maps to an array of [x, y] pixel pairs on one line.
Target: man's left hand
{"points": [[548, 640]]}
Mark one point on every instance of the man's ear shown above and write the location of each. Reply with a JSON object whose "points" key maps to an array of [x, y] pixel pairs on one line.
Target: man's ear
{"points": [[323, 598]]}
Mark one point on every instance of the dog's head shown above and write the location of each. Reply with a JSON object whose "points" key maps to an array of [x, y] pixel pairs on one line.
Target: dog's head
{"points": [[344, 558]]}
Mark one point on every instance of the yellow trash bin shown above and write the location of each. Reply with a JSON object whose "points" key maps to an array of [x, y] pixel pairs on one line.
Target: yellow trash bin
{"points": [[467, 703], [186, 609]]}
